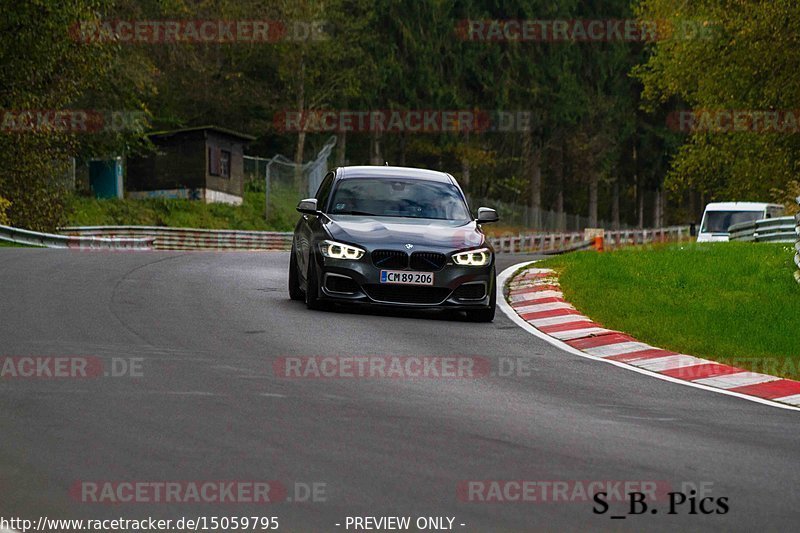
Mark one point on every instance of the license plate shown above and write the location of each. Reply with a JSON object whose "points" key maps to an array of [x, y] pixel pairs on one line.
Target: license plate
{"points": [[402, 277]]}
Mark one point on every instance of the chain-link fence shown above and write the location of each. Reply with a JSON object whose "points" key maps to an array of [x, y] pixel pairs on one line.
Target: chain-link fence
{"points": [[523, 216], [283, 182]]}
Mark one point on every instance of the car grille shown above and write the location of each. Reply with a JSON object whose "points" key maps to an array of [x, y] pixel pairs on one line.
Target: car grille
{"points": [[390, 259], [470, 291], [406, 294], [427, 261]]}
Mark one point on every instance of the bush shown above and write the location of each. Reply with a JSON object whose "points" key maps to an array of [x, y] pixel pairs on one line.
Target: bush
{"points": [[4, 204], [788, 196], [34, 181]]}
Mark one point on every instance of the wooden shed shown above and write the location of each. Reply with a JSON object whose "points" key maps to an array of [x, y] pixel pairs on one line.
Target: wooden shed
{"points": [[202, 163]]}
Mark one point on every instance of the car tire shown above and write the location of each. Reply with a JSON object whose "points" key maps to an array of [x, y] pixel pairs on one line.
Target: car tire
{"points": [[485, 315], [312, 286], [295, 292]]}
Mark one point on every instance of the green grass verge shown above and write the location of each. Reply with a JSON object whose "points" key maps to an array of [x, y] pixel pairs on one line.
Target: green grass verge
{"points": [[737, 303], [84, 211]]}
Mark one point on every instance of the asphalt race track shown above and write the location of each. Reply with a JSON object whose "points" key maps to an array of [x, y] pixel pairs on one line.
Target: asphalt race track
{"points": [[207, 328]]}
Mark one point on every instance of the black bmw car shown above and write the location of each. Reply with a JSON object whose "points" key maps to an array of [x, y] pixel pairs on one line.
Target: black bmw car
{"points": [[393, 236]]}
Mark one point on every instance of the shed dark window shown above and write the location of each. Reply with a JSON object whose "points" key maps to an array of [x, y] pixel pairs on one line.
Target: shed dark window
{"points": [[219, 162]]}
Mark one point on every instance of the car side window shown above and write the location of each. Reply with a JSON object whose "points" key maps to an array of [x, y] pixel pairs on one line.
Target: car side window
{"points": [[324, 191]]}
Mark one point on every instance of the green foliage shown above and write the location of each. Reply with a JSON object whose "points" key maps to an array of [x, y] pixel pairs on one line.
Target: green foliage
{"points": [[4, 205], [744, 56], [43, 67], [788, 195], [34, 182], [733, 302]]}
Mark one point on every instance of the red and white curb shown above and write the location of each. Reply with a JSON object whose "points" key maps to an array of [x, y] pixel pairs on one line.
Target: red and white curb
{"points": [[536, 303]]}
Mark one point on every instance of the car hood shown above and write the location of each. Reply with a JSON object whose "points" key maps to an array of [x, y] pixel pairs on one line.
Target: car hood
{"points": [[375, 232]]}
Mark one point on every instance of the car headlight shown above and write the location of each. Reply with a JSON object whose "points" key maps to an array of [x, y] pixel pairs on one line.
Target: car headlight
{"points": [[479, 257], [337, 250]]}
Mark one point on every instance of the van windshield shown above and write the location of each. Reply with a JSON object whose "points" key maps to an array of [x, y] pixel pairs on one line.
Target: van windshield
{"points": [[720, 221]]}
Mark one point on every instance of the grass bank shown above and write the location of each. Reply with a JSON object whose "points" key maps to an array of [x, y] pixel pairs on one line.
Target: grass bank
{"points": [[734, 302], [85, 211]]}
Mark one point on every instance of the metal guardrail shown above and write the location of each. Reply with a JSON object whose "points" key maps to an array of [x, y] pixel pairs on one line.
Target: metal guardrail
{"points": [[620, 238], [566, 242], [535, 242], [49, 240], [205, 239], [781, 229], [190, 238]]}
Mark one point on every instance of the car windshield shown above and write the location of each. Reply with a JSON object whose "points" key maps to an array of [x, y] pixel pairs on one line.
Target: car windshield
{"points": [[391, 197], [720, 221]]}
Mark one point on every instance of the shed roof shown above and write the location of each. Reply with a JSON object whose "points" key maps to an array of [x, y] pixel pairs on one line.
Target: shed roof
{"points": [[216, 129]]}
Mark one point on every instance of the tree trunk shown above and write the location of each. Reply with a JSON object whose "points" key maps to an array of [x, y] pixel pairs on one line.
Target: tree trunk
{"points": [[402, 161], [341, 148], [615, 204], [375, 157], [657, 208], [593, 190], [558, 174], [299, 180], [532, 155], [465, 165], [640, 222], [637, 179]]}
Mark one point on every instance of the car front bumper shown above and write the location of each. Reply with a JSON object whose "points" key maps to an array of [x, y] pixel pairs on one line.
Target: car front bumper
{"points": [[359, 282]]}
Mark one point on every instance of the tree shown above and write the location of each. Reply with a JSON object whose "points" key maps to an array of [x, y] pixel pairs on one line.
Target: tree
{"points": [[45, 69], [735, 56]]}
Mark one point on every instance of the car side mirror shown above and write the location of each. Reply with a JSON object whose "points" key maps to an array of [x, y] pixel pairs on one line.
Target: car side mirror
{"points": [[308, 206], [486, 215]]}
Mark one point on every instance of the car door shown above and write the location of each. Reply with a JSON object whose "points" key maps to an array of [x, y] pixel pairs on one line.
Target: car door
{"points": [[309, 225]]}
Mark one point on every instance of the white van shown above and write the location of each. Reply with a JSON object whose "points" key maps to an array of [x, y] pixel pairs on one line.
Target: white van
{"points": [[719, 216]]}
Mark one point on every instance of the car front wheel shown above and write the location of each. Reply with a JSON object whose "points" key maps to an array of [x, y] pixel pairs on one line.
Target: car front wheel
{"points": [[295, 292], [485, 315], [312, 286]]}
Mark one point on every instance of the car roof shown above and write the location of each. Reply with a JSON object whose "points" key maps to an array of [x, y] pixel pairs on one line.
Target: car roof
{"points": [[739, 206], [374, 171]]}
